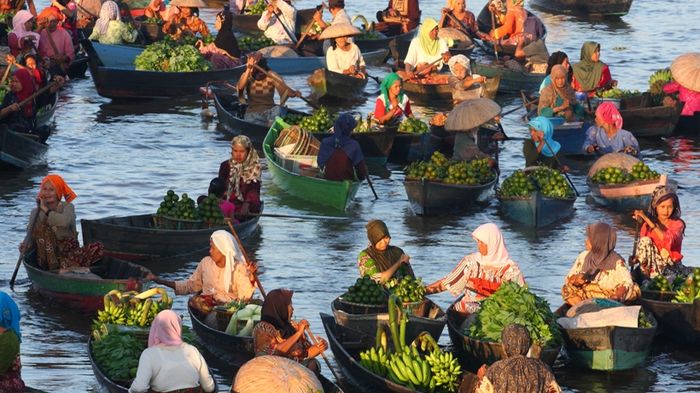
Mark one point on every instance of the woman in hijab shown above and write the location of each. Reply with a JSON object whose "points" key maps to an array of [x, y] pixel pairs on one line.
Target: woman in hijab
{"points": [[109, 29], [591, 74], [21, 39], [517, 373], [607, 135], [480, 274], [661, 236], [54, 235], [260, 90], [599, 271], [10, 338], [392, 104], [541, 148], [223, 52], [241, 175], [276, 333], [558, 99], [169, 364], [425, 49], [340, 157], [555, 59], [18, 118], [380, 261], [465, 86]]}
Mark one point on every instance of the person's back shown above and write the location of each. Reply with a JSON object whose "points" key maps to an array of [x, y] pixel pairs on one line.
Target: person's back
{"points": [[340, 156], [339, 167]]}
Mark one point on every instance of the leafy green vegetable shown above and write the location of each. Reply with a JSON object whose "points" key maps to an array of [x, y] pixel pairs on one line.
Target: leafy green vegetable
{"points": [[170, 56]]}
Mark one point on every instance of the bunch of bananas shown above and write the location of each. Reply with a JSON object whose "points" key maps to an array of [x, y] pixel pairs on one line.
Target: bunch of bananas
{"points": [[112, 314], [130, 309], [375, 360], [445, 369], [658, 79], [410, 369]]}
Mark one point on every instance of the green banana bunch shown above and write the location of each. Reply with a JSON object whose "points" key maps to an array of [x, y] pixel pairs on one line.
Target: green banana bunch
{"points": [[446, 371], [375, 360], [410, 369], [658, 79]]}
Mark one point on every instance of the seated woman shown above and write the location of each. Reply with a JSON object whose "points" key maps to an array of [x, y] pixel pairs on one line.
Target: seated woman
{"points": [[54, 235], [480, 274], [169, 364], [278, 30], [55, 42], [465, 86], [338, 13], [426, 49], [392, 104], [401, 16], [340, 157], [21, 39], [558, 99], [554, 59], [599, 272], [379, 260], [276, 333], [241, 177], [458, 9], [344, 57], [15, 117], [260, 90], [541, 148], [661, 236], [10, 338], [184, 21], [223, 52], [689, 98], [591, 74], [109, 29], [607, 135], [512, 30]]}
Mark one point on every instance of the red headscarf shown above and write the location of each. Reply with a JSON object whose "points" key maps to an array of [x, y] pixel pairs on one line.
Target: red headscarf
{"points": [[608, 111], [28, 88], [166, 329], [62, 189]]}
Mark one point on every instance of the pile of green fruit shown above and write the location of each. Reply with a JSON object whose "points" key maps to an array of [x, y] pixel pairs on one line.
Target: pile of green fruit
{"points": [[170, 56], [153, 20], [254, 43], [618, 93], [293, 118], [257, 8], [366, 291], [413, 125], [551, 183], [209, 211], [512, 303], [408, 289], [368, 35], [689, 289], [319, 121], [117, 354], [643, 320], [640, 171], [612, 175], [130, 309], [658, 80], [661, 283], [176, 207], [439, 168]]}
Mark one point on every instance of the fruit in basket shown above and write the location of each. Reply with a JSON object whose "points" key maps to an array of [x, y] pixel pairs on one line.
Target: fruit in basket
{"points": [[408, 289], [209, 210], [412, 125], [366, 291], [640, 171]]}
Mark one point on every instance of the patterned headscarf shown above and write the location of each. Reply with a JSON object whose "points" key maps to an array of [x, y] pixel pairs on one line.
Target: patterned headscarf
{"points": [[541, 123], [166, 329], [386, 85], [108, 12], [430, 46], [586, 71], [458, 59], [608, 111], [9, 314], [663, 193], [515, 339], [248, 170], [18, 29], [602, 255], [61, 187]]}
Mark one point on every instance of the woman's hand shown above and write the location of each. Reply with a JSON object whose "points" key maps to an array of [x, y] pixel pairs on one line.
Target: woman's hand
{"points": [[302, 325], [318, 348], [250, 62], [446, 56], [578, 280], [10, 59], [42, 204], [591, 149], [14, 107], [639, 215]]}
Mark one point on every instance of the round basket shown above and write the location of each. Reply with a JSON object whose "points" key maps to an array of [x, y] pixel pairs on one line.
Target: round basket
{"points": [[359, 308]]}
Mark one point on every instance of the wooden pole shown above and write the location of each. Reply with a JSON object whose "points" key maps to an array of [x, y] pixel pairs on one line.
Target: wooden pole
{"points": [[27, 238], [245, 255]]}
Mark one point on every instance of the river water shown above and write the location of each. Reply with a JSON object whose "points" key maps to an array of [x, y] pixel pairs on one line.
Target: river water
{"points": [[121, 157]]}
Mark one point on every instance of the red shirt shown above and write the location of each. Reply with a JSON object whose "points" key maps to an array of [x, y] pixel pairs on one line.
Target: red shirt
{"points": [[605, 78], [380, 109], [673, 238], [340, 168]]}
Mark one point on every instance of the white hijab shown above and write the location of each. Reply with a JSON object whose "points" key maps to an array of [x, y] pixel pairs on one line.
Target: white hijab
{"points": [[497, 254], [225, 243]]}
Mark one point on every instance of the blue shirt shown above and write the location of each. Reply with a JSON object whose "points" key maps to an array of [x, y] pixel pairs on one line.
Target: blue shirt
{"points": [[596, 136]]}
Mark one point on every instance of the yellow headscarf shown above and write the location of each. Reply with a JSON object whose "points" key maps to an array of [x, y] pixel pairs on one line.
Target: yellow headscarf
{"points": [[429, 45]]}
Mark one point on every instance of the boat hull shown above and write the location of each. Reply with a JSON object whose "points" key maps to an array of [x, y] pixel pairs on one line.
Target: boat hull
{"points": [[626, 197], [678, 321], [306, 65], [428, 198], [19, 151], [510, 81], [235, 350], [536, 211], [585, 7], [649, 121], [331, 86], [249, 23], [398, 44], [571, 137]]}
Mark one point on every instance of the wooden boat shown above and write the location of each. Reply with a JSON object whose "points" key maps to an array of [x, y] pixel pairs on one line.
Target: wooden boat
{"points": [[475, 352], [536, 210], [678, 321], [609, 348], [85, 291], [428, 317], [626, 197], [307, 64], [78, 66], [585, 7], [397, 44], [137, 238], [335, 194], [644, 120], [117, 81], [332, 86], [429, 197], [20, 150], [438, 91], [376, 145], [511, 81], [44, 114], [571, 137], [688, 124], [247, 23]]}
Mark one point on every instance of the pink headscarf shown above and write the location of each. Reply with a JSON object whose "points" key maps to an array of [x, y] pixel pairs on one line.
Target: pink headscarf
{"points": [[608, 111], [18, 29], [166, 329]]}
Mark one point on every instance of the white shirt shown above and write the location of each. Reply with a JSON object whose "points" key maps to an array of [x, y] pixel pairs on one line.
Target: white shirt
{"points": [[416, 55], [273, 29], [338, 60], [165, 368]]}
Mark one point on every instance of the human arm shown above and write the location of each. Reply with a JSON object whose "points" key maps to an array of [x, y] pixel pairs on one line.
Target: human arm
{"points": [[590, 145], [266, 19], [94, 35], [507, 28], [126, 34], [332, 61], [381, 113], [669, 88], [368, 267], [606, 80], [247, 74], [411, 58], [202, 28]]}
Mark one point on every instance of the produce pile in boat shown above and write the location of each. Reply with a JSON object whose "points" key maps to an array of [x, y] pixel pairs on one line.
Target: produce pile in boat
{"points": [[617, 93], [245, 316], [439, 168], [661, 283], [413, 125], [612, 175], [254, 43], [183, 208], [408, 289], [319, 121], [366, 291], [256, 8], [171, 56], [130, 309], [551, 183]]}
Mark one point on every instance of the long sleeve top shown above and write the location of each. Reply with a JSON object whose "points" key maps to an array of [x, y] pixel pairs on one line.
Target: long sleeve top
{"points": [[117, 33], [250, 192], [164, 368], [689, 97], [605, 78], [338, 60], [63, 41], [208, 278], [17, 47], [673, 238], [416, 55], [622, 139], [269, 23], [457, 281], [514, 23], [62, 220]]}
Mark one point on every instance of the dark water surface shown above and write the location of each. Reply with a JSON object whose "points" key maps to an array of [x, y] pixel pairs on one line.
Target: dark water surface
{"points": [[120, 158]]}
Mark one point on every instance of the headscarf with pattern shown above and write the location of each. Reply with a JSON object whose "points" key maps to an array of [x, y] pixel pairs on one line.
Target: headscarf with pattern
{"points": [[108, 12], [247, 171], [18, 29]]}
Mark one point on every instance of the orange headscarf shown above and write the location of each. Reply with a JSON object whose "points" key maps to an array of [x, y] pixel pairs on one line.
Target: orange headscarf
{"points": [[47, 13], [62, 189]]}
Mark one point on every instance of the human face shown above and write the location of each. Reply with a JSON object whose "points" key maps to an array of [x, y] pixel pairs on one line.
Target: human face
{"points": [[383, 244], [15, 85], [395, 89], [664, 209], [239, 153], [460, 70], [218, 22], [595, 57], [599, 120], [29, 25], [216, 255], [31, 63], [482, 247], [186, 12], [459, 5], [52, 24], [434, 34], [559, 81], [48, 193], [566, 63], [341, 42]]}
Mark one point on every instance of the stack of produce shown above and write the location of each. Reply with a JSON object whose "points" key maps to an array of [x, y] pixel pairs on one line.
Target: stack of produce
{"points": [[612, 175], [170, 56], [365, 291], [425, 369], [209, 211], [689, 289], [549, 182], [130, 309], [256, 8], [618, 93], [657, 81], [408, 289], [472, 172], [512, 303], [438, 119], [248, 313], [661, 283], [413, 125], [319, 121], [176, 207], [252, 44]]}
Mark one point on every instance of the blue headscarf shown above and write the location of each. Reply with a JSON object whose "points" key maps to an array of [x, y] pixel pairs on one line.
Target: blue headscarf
{"points": [[9, 314], [541, 123], [341, 140]]}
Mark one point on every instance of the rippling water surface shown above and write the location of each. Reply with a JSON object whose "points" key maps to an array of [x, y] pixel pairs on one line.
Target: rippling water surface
{"points": [[121, 157]]}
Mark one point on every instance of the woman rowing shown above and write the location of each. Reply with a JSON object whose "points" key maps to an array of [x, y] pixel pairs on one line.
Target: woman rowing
{"points": [[512, 30], [109, 29], [607, 135], [344, 57], [259, 84], [340, 157], [541, 148], [10, 339], [457, 9], [465, 86], [558, 98], [427, 52], [591, 74], [392, 104], [241, 176], [380, 261], [278, 21]]}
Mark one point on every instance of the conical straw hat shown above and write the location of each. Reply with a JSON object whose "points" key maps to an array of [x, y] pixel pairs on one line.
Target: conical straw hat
{"points": [[471, 114], [189, 3], [339, 30], [686, 70]]}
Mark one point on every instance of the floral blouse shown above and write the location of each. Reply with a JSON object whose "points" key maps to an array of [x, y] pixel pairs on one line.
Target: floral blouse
{"points": [[266, 338], [604, 285]]}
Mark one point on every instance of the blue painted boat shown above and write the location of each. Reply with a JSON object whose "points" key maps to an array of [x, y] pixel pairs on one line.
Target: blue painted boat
{"points": [[571, 136], [511, 81], [626, 197], [117, 56], [429, 198], [536, 211], [307, 65]]}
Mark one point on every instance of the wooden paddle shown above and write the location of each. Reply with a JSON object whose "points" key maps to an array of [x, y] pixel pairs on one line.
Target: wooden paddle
{"points": [[323, 355], [418, 75], [7, 73], [27, 238], [309, 27], [31, 97], [525, 104], [279, 19], [245, 255], [371, 186], [280, 81], [561, 166], [493, 26]]}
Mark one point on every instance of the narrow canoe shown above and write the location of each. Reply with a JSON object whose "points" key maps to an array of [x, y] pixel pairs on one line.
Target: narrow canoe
{"points": [[475, 352], [511, 81], [609, 348], [335, 194], [136, 238], [649, 121], [85, 291], [678, 321], [585, 7], [626, 197], [235, 350], [536, 211], [376, 145], [431, 319], [430, 198], [247, 23], [46, 112], [332, 86], [307, 64], [19, 150], [410, 147], [434, 94], [398, 44], [484, 22], [78, 66], [116, 83]]}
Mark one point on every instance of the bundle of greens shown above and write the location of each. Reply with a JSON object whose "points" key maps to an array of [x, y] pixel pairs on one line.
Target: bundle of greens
{"points": [[171, 56]]}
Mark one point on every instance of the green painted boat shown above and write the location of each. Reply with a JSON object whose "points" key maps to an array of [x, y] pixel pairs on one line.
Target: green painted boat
{"points": [[335, 194], [536, 210], [85, 291], [511, 81], [678, 321]]}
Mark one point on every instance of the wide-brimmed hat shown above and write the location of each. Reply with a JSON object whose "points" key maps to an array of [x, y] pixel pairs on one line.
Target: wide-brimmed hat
{"points": [[339, 30], [189, 3], [686, 70]]}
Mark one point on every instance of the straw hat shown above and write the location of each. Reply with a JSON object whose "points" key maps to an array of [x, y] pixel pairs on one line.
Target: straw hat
{"points": [[453, 34], [189, 3], [339, 30], [686, 70], [471, 114]]}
